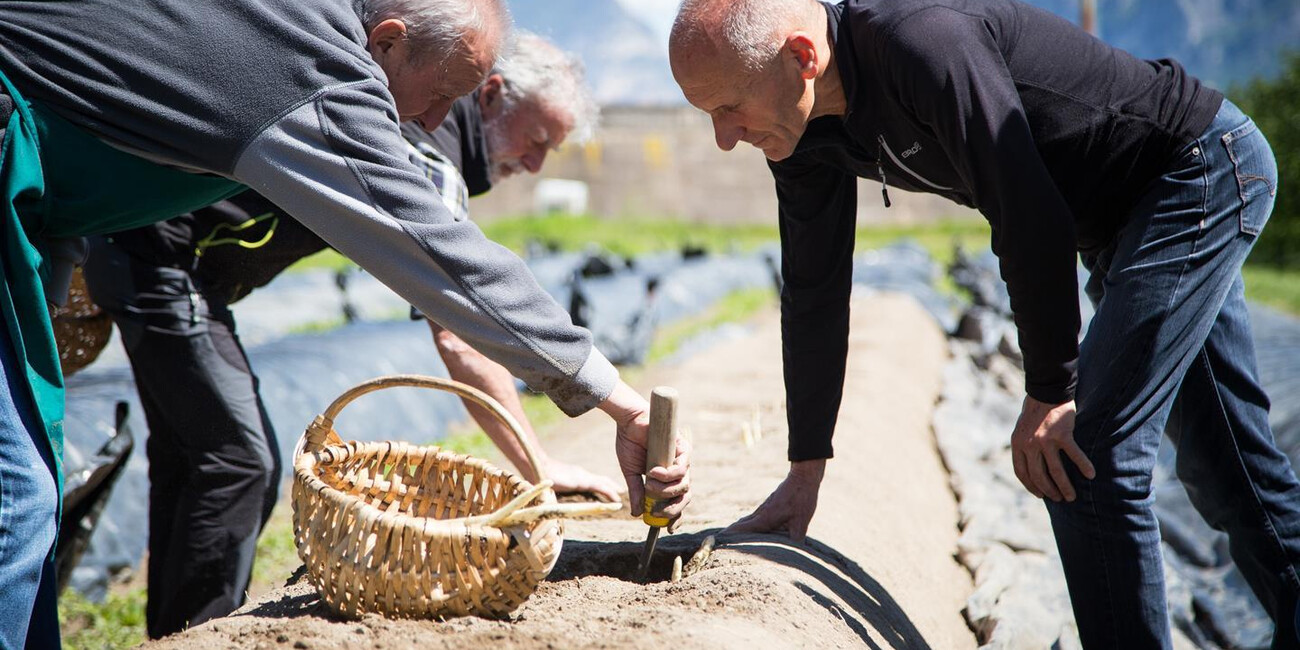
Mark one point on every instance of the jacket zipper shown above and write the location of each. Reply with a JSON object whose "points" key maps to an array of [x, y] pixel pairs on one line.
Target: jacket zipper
{"points": [[885, 146], [880, 168]]}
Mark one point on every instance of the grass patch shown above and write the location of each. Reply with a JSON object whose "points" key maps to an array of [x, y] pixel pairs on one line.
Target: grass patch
{"points": [[328, 259], [646, 235], [626, 236], [468, 439], [540, 410], [118, 622], [277, 555], [1277, 288], [734, 308], [637, 236], [936, 238], [319, 326]]}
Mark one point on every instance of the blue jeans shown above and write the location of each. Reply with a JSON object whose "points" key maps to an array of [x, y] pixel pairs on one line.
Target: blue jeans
{"points": [[1170, 350], [28, 499]]}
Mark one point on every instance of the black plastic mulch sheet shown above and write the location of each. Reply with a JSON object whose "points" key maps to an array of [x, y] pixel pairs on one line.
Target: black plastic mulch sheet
{"points": [[1225, 613]]}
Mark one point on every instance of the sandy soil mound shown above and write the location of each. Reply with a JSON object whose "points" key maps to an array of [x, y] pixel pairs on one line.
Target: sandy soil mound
{"points": [[878, 570]]}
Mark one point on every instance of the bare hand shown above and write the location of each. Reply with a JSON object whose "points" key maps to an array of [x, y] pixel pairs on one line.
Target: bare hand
{"points": [[668, 486], [790, 507], [1044, 432], [575, 479]]}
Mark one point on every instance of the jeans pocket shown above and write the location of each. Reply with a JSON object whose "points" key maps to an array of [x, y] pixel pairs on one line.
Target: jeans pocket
{"points": [[1255, 169]]}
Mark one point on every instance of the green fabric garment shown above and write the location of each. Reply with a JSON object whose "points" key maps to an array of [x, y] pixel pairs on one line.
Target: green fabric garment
{"points": [[58, 181]]}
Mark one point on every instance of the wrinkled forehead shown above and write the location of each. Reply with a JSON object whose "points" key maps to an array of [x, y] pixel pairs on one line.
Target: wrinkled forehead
{"points": [[541, 118], [483, 49], [468, 67], [708, 79]]}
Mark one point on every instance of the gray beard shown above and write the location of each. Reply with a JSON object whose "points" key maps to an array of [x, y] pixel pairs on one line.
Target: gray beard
{"points": [[494, 144], [496, 141]]}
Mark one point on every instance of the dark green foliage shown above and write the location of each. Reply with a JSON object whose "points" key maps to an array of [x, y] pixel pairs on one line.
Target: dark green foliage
{"points": [[1274, 104]]}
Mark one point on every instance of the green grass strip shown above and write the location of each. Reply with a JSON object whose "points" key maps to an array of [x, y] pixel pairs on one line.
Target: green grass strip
{"points": [[118, 622], [627, 236], [1277, 288], [736, 307]]}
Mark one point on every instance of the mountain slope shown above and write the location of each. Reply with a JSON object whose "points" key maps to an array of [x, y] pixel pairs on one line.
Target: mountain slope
{"points": [[627, 63], [1221, 41]]}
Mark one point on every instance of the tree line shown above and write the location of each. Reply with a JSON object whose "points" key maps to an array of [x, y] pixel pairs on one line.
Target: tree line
{"points": [[1274, 104]]}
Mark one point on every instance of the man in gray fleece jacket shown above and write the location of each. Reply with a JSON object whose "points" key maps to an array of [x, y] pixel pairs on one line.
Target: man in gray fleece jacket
{"points": [[127, 113]]}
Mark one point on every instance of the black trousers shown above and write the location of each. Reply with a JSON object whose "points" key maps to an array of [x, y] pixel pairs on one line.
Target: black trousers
{"points": [[214, 465]]}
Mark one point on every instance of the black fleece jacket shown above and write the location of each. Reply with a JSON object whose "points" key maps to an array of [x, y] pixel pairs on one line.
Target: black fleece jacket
{"points": [[1050, 133]]}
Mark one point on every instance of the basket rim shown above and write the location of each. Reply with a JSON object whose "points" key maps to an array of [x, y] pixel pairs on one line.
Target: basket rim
{"points": [[305, 463], [321, 431]]}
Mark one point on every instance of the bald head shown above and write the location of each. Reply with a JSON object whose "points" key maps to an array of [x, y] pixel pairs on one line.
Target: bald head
{"points": [[752, 31], [761, 69]]}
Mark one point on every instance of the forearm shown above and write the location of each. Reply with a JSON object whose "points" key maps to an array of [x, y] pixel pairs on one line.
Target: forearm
{"points": [[818, 206], [1045, 306], [375, 207], [814, 381], [810, 471], [814, 353], [468, 366]]}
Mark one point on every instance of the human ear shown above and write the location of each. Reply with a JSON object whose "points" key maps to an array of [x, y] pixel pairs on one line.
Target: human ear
{"points": [[386, 38], [803, 51], [491, 95]]}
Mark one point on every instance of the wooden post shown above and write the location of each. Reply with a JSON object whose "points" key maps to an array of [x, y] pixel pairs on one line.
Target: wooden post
{"points": [[1088, 16]]}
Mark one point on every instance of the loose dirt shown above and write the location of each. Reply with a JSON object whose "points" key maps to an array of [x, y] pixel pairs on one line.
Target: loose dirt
{"points": [[877, 571]]}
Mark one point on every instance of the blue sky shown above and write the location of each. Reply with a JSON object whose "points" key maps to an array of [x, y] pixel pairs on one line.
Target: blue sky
{"points": [[658, 14]]}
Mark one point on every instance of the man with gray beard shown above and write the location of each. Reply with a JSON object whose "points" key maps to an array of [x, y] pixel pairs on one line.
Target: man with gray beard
{"points": [[1071, 149], [214, 468]]}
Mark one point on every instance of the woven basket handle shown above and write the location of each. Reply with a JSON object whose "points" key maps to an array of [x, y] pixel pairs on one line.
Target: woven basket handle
{"points": [[514, 513], [321, 431]]}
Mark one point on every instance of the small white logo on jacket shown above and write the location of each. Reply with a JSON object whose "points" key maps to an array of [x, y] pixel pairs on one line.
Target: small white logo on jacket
{"points": [[915, 148]]}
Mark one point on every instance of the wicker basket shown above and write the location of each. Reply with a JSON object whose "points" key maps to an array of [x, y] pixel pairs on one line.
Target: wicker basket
{"points": [[81, 328], [420, 532]]}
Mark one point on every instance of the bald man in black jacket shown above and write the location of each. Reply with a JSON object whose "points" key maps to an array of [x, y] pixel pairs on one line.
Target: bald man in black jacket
{"points": [[1068, 147]]}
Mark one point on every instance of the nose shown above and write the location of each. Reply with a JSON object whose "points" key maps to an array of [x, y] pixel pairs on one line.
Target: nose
{"points": [[727, 133], [533, 160]]}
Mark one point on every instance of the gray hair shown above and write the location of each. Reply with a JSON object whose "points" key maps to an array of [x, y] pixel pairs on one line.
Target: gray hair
{"points": [[437, 29], [536, 71], [750, 28]]}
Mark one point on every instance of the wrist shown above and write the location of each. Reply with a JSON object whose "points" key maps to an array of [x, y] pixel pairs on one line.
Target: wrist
{"points": [[812, 470], [1037, 405], [624, 403]]}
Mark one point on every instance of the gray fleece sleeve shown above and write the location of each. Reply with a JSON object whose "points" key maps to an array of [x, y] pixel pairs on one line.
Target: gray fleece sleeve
{"points": [[339, 165]]}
